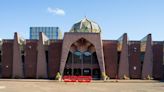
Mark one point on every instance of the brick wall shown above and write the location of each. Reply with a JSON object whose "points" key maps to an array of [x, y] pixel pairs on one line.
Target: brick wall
{"points": [[157, 60], [110, 58], [30, 59], [54, 55], [134, 61], [7, 59]]}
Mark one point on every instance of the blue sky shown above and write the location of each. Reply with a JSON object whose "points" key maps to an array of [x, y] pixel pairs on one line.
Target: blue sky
{"points": [[115, 17]]}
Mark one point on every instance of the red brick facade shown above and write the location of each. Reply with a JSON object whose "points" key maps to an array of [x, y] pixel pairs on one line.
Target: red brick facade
{"points": [[30, 59], [157, 61], [108, 55], [54, 54], [7, 58], [134, 60]]}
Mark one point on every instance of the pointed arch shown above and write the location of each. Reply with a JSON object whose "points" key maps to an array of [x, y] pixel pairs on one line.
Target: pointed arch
{"points": [[70, 38]]}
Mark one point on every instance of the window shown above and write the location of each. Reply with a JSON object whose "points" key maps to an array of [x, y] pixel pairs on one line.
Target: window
{"points": [[87, 58], [86, 72], [119, 55], [68, 71], [135, 49], [94, 58], [142, 55], [77, 57]]}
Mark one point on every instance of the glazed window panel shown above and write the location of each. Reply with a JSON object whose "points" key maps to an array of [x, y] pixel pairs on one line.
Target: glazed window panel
{"points": [[68, 71], [94, 58], [77, 57], [142, 55], [87, 57]]}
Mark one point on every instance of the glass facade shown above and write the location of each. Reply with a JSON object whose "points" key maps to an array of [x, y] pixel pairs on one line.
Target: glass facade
{"points": [[50, 32]]}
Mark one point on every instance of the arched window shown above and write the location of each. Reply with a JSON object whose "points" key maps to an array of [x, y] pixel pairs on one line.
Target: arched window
{"points": [[87, 57], [77, 53], [87, 53], [77, 57]]}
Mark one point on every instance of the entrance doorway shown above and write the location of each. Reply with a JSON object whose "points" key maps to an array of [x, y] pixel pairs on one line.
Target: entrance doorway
{"points": [[77, 72], [68, 71], [96, 74], [87, 72], [82, 64], [82, 60]]}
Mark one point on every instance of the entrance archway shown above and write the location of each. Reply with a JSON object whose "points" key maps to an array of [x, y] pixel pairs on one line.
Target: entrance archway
{"points": [[82, 60]]}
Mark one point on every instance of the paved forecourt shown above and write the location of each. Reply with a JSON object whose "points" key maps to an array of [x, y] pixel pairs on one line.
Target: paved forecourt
{"points": [[95, 86]]}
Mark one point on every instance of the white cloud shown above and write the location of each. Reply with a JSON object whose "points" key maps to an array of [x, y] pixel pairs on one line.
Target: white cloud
{"points": [[56, 11]]}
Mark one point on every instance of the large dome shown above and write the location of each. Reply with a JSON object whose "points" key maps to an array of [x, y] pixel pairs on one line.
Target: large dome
{"points": [[87, 26]]}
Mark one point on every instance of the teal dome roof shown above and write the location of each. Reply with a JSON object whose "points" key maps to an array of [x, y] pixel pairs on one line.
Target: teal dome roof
{"points": [[87, 26]]}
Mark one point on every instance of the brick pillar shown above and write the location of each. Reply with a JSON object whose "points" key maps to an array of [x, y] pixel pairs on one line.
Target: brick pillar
{"points": [[41, 58], [17, 60], [124, 62], [147, 67]]}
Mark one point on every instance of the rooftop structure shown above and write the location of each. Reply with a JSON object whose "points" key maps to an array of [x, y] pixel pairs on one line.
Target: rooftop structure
{"points": [[50, 32]]}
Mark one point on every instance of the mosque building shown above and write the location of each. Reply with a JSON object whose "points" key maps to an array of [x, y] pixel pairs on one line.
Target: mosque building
{"points": [[82, 52]]}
